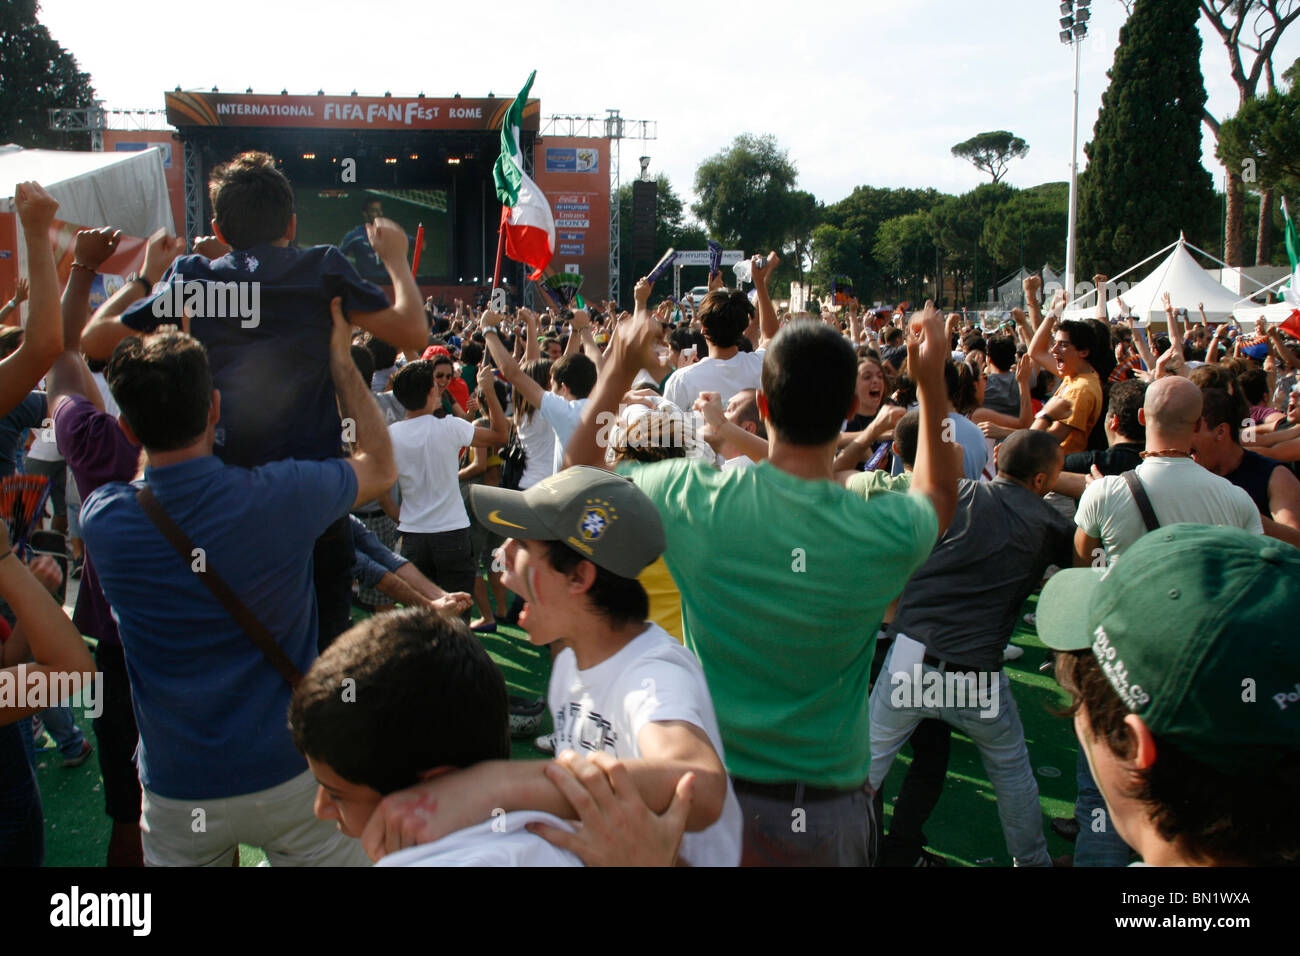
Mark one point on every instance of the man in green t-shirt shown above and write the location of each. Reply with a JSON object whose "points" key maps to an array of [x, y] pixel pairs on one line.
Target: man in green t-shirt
{"points": [[785, 577]]}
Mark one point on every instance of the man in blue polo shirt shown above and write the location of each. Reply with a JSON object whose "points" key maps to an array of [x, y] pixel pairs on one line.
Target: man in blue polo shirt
{"points": [[261, 310], [216, 760]]}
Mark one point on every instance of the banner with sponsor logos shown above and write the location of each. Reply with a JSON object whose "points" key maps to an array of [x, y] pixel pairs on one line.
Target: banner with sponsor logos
{"points": [[343, 112], [573, 172]]}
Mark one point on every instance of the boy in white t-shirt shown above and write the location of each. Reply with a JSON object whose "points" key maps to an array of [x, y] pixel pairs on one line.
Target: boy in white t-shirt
{"points": [[410, 696], [426, 448], [621, 687]]}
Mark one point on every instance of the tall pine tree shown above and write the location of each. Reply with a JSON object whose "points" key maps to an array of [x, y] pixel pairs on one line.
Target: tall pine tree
{"points": [[1144, 182], [36, 74]]}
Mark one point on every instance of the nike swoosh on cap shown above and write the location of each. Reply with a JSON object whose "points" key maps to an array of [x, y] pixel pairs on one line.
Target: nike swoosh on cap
{"points": [[502, 521]]}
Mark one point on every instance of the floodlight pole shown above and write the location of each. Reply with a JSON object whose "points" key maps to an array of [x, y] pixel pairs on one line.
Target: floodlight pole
{"points": [[1074, 183]]}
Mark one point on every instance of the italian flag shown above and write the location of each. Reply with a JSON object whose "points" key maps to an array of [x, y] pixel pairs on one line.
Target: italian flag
{"points": [[526, 217], [1291, 294]]}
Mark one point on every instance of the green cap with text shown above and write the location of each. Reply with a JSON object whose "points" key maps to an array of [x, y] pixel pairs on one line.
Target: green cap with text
{"points": [[1195, 628]]}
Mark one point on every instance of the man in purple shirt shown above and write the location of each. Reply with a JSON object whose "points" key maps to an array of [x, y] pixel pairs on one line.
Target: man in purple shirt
{"points": [[98, 452]]}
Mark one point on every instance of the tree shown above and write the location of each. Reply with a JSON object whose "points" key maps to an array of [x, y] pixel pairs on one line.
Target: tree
{"points": [[905, 245], [991, 152], [36, 75], [836, 251], [957, 222], [747, 195], [1263, 142], [1144, 182], [1250, 29], [1029, 227], [861, 213]]}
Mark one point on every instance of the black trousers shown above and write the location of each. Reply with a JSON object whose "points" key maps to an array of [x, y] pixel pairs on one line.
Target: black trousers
{"points": [[445, 557], [333, 557], [117, 735]]}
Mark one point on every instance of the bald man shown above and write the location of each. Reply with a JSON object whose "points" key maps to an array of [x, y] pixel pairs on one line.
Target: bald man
{"points": [[1109, 519]]}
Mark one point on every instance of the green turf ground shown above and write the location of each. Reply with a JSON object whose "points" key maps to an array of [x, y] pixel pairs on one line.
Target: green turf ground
{"points": [[964, 828]]}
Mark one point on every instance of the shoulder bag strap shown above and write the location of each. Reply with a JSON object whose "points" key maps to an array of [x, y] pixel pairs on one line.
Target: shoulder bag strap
{"points": [[1143, 502], [237, 609]]}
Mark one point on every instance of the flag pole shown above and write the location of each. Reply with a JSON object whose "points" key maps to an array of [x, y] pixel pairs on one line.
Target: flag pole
{"points": [[501, 245]]}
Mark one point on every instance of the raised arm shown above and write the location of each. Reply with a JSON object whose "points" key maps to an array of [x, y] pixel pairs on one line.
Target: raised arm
{"points": [[402, 325], [532, 347], [633, 348], [515, 375], [373, 459], [581, 330], [1040, 346], [69, 374], [1175, 326], [935, 473], [1288, 356], [1024, 372], [499, 431], [105, 328], [767, 323], [19, 297], [1099, 281], [43, 338], [58, 650]]}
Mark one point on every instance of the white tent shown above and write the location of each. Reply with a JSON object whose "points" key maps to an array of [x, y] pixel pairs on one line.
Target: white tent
{"points": [[127, 190], [1186, 282], [1287, 288]]}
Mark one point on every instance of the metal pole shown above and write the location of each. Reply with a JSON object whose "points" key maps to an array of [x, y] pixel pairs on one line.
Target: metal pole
{"points": [[1074, 185]]}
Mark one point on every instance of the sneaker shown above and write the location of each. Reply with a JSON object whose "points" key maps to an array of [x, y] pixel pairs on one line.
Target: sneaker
{"points": [[1031, 620], [79, 759], [1012, 653], [929, 859], [545, 743], [526, 716]]}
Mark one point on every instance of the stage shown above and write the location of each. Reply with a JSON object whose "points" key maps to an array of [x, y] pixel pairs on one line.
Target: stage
{"points": [[418, 161]]}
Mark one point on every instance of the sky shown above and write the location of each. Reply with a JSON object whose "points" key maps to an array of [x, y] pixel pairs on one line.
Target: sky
{"points": [[872, 92]]}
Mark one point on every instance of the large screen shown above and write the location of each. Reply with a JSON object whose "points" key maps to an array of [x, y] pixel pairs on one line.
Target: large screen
{"points": [[337, 217]]}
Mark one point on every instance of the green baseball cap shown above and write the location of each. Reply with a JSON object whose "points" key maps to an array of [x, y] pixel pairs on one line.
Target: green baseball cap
{"points": [[599, 514], [1195, 628]]}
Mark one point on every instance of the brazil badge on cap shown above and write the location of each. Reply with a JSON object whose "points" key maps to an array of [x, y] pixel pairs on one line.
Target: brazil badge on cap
{"points": [[1194, 627], [599, 514]]}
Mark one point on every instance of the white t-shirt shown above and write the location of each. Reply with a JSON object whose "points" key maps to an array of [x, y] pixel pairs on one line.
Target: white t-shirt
{"points": [[501, 841], [652, 678], [1180, 490], [539, 449], [724, 376], [564, 416], [427, 452]]}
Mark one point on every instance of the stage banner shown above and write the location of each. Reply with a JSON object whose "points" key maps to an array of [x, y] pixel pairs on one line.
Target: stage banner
{"points": [[343, 112]]}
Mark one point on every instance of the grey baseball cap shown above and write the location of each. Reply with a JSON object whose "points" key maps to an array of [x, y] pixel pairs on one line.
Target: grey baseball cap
{"points": [[599, 514]]}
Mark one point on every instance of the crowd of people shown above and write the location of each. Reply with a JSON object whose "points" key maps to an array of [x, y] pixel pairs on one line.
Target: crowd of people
{"points": [[765, 551]]}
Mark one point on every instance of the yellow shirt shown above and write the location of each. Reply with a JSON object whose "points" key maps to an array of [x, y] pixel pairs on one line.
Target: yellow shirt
{"points": [[665, 599], [1084, 394]]}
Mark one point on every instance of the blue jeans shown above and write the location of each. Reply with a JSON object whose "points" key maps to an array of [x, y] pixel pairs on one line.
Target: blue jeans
{"points": [[62, 726], [998, 734], [1097, 844]]}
